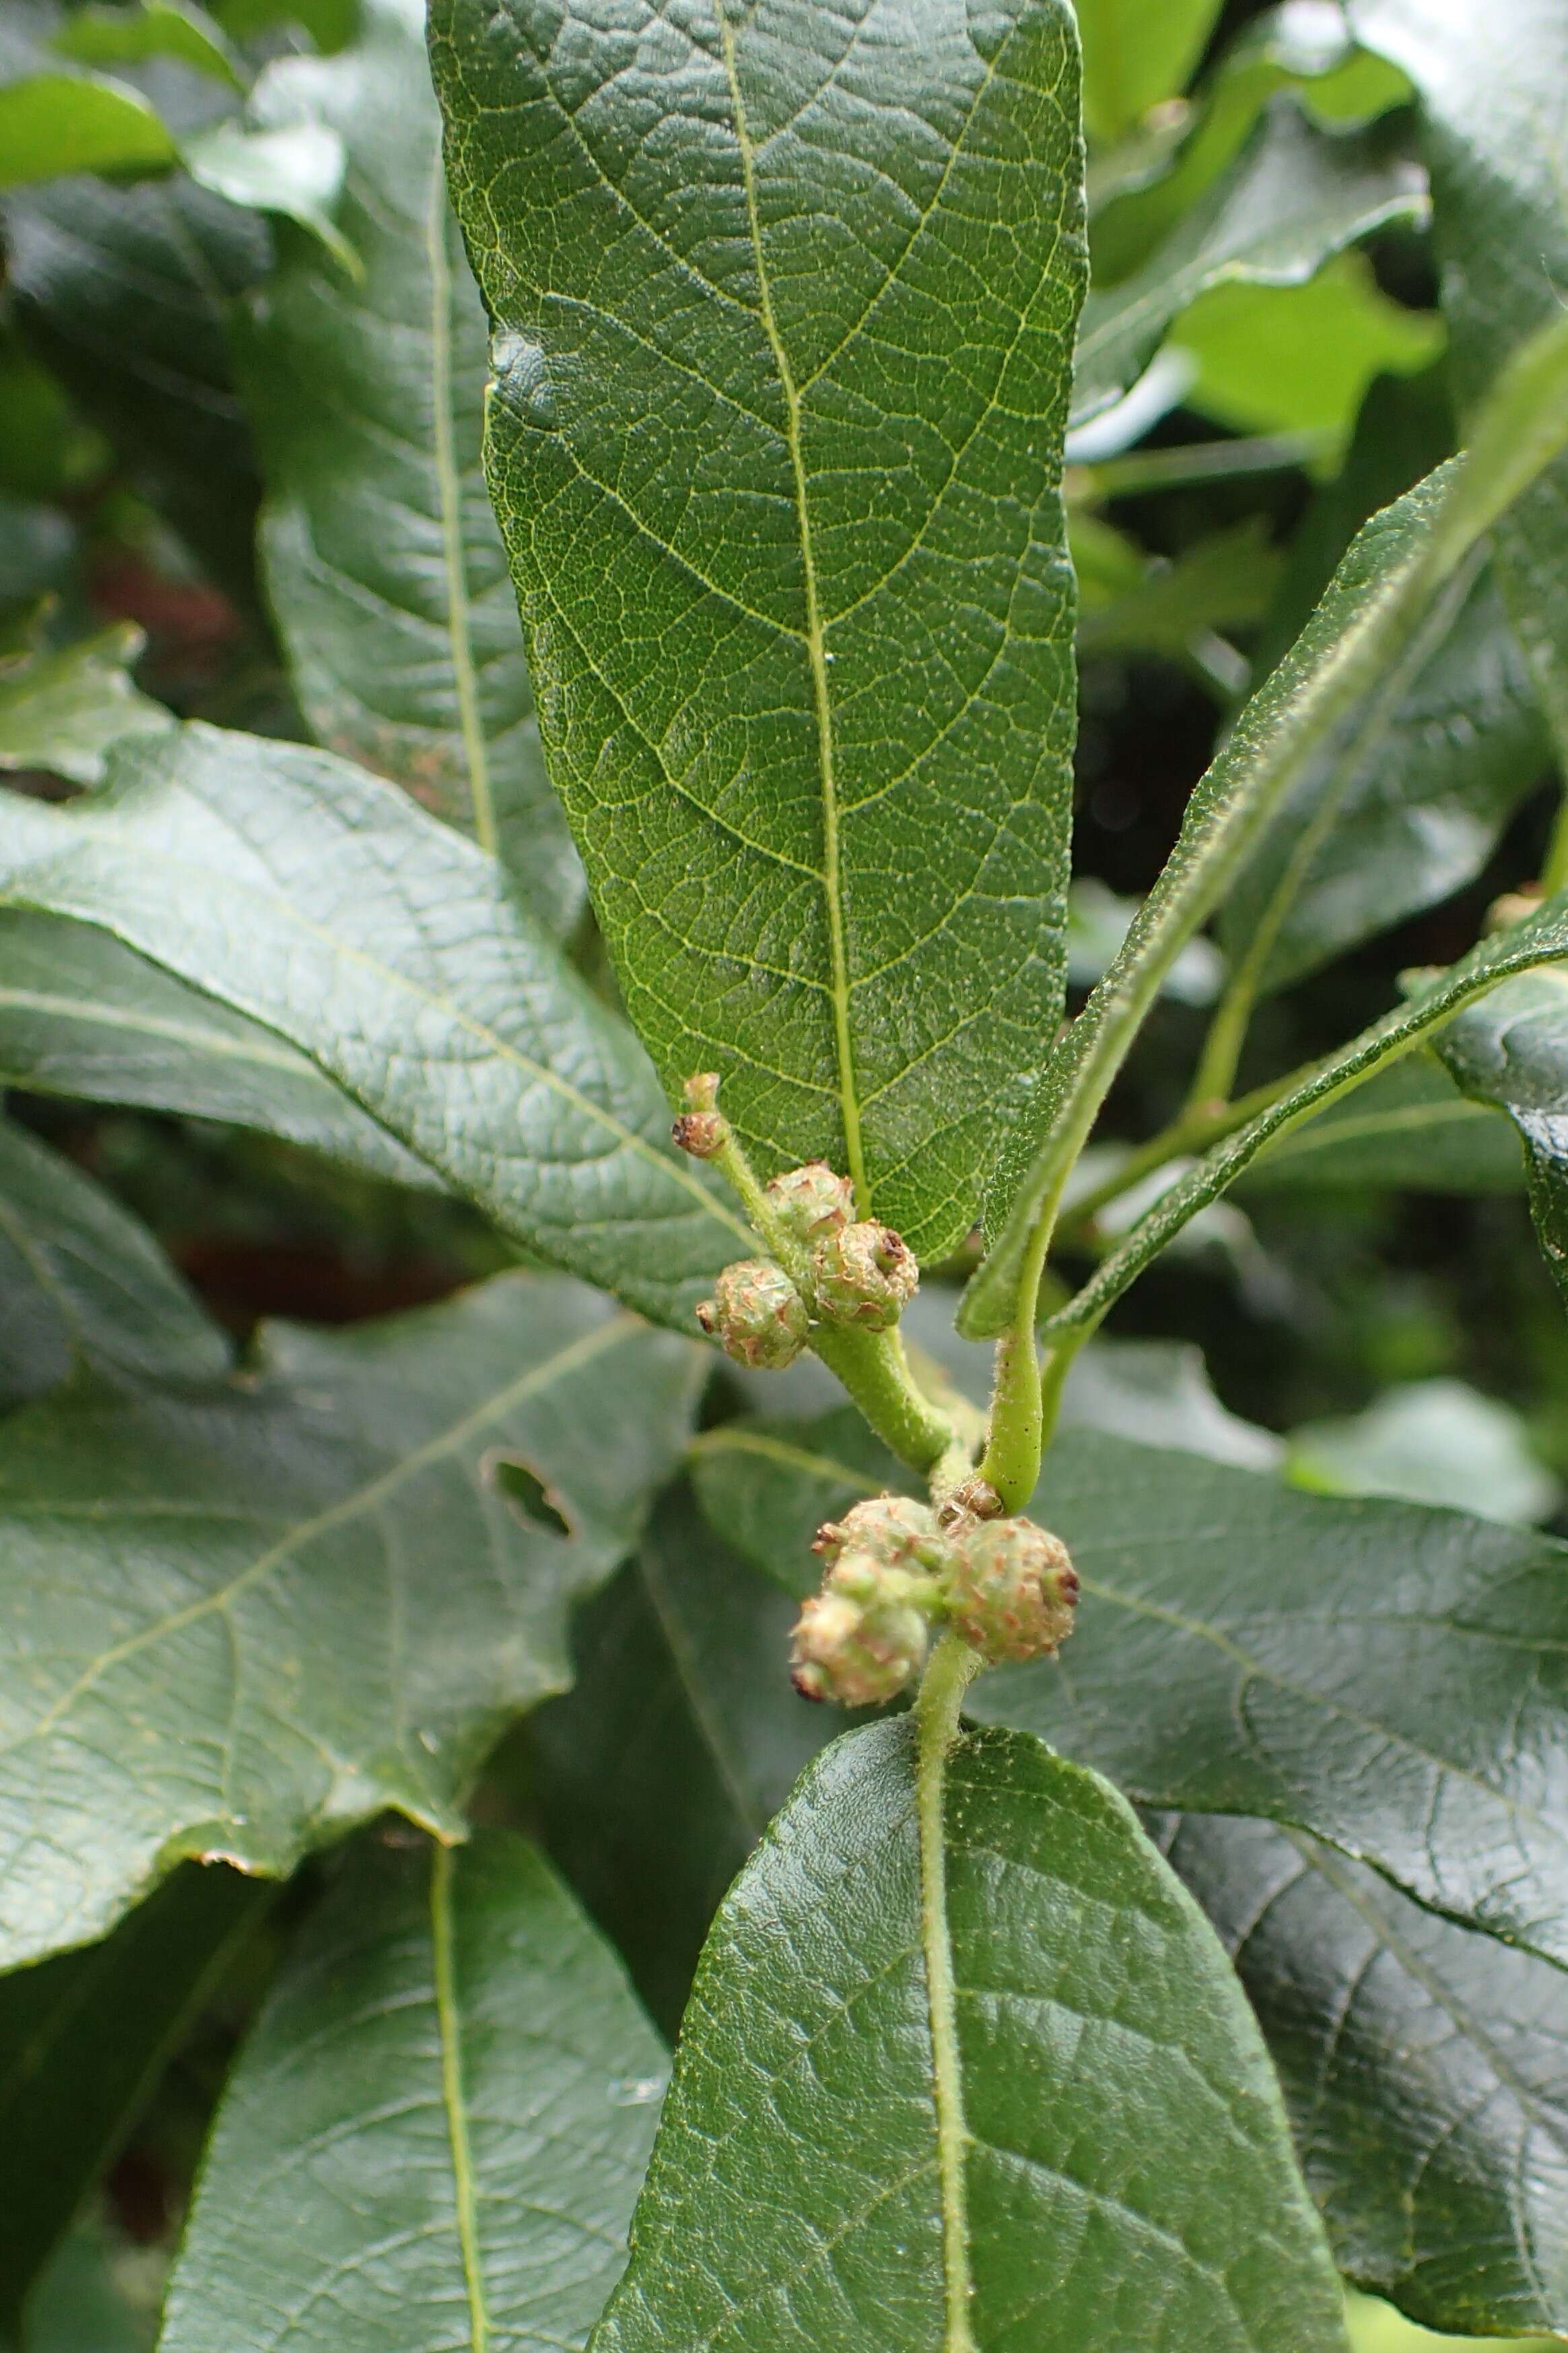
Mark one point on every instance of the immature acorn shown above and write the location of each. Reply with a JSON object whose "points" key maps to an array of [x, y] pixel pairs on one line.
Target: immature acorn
{"points": [[701, 1128], [811, 1201], [864, 1274], [894, 1529], [864, 1638], [1011, 1590], [756, 1314]]}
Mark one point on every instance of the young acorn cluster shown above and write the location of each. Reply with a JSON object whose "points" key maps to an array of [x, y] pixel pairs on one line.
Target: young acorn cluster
{"points": [[857, 1274], [897, 1572]]}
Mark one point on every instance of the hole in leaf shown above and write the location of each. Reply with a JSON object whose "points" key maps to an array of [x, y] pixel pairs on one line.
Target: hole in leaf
{"points": [[527, 1493]]}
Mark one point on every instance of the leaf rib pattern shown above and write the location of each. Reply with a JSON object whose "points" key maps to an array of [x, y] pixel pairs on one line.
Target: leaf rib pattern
{"points": [[784, 308]]}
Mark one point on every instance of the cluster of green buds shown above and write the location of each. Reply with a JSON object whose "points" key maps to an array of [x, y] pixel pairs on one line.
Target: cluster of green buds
{"points": [[898, 1572], [846, 1271]]}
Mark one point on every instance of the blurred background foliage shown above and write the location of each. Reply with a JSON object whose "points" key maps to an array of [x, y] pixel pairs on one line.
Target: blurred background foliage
{"points": [[1379, 1328]]}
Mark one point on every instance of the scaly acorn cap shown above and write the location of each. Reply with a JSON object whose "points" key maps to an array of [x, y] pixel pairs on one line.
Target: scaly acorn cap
{"points": [[894, 1529], [856, 1654], [864, 1275], [811, 1201], [756, 1314], [1011, 1590]]}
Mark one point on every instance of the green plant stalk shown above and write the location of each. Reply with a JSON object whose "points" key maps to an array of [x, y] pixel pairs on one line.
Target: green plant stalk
{"points": [[1524, 426], [1399, 1033], [1554, 868], [949, 1672], [1222, 1047], [1194, 1131]]}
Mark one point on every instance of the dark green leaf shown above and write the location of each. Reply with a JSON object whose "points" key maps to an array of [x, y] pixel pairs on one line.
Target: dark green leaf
{"points": [[436, 2132], [83, 1284], [656, 1775], [382, 560], [84, 2038], [62, 711], [1409, 1127], [1226, 581], [320, 900], [1297, 196], [123, 290], [1406, 805], [784, 304], [1390, 1679], [54, 123], [1511, 1050], [85, 2303], [1307, 50], [768, 1486], [240, 1622], [1109, 2115], [1425, 2069], [81, 1015], [1490, 82]]}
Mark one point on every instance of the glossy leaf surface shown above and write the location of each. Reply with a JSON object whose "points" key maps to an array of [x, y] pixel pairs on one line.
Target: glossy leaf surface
{"points": [[1295, 196], [383, 563], [786, 307], [318, 900], [308, 1598], [1425, 2072], [62, 711], [83, 1284], [1407, 804], [82, 1015], [1511, 1050], [85, 2036], [1492, 84], [1244, 1649], [1125, 2160], [436, 2132]]}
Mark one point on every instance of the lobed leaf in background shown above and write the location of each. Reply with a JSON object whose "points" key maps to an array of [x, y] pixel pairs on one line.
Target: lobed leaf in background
{"points": [[84, 1286], [1423, 2070], [436, 2130], [85, 2037], [383, 562], [61, 712], [319, 900], [1096, 2090], [1492, 86], [1511, 1050], [783, 311], [243, 1620], [83, 1016], [1304, 47], [1134, 56], [1294, 198]]}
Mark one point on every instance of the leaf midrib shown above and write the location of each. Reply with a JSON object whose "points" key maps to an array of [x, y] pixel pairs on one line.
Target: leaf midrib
{"points": [[363, 1499], [815, 646], [465, 2188]]}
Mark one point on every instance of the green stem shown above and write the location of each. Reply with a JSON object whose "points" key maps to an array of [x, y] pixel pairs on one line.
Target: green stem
{"points": [[1012, 1459], [873, 1368], [1194, 1131], [937, 1707]]}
